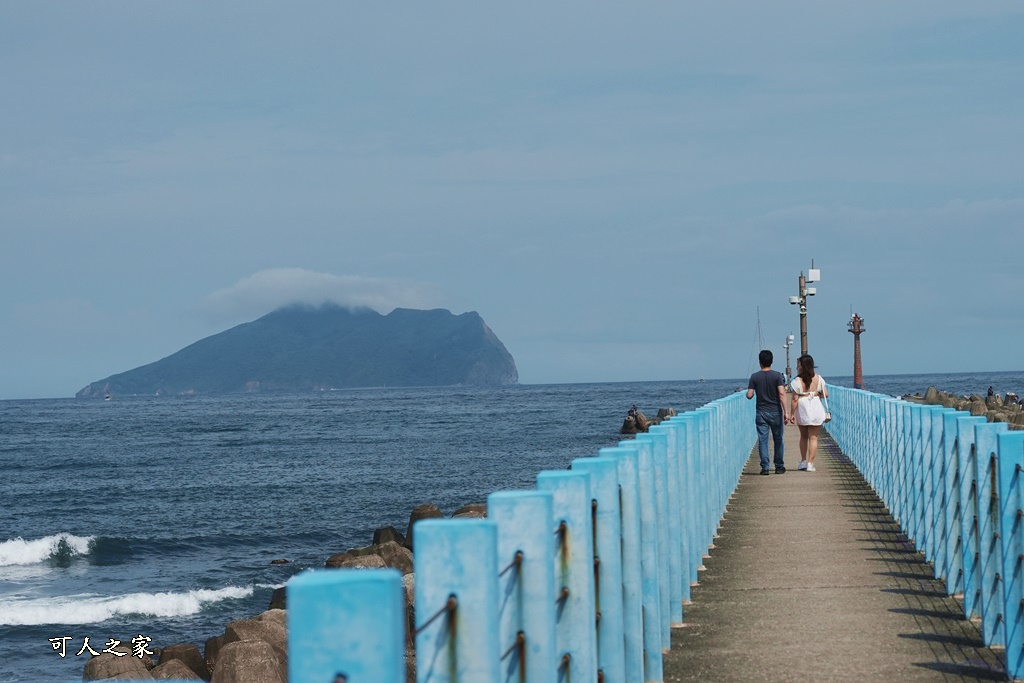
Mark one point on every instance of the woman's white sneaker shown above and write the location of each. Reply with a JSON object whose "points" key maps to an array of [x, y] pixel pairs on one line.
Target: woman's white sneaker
{"points": [[810, 467]]}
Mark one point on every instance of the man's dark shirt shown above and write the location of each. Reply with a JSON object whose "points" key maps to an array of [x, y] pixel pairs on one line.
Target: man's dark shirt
{"points": [[766, 386]]}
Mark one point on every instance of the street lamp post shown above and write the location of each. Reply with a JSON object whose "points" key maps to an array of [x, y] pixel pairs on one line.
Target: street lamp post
{"points": [[789, 342], [803, 291]]}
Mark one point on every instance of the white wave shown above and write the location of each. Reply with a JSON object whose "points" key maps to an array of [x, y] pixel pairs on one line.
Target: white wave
{"points": [[19, 551], [91, 608]]}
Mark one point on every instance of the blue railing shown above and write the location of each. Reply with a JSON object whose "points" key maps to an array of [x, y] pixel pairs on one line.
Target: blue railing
{"points": [[580, 579], [954, 484]]}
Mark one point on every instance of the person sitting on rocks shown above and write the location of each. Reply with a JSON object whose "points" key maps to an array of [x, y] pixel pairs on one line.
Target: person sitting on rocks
{"points": [[632, 411]]}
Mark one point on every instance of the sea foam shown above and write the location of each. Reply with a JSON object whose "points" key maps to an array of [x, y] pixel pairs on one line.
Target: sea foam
{"points": [[18, 551], [91, 608]]}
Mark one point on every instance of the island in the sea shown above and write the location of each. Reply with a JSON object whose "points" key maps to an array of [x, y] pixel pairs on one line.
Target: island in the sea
{"points": [[301, 348]]}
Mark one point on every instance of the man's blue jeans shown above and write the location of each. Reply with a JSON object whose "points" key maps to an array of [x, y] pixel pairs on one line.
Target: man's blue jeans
{"points": [[769, 420]]}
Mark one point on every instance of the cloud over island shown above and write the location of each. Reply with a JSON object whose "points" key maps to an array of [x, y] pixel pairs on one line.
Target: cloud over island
{"points": [[270, 289]]}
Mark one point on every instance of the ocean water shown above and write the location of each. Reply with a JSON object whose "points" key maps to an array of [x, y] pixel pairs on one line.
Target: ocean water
{"points": [[160, 517]]}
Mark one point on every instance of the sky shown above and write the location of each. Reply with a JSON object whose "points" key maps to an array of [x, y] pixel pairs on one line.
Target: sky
{"points": [[623, 191]]}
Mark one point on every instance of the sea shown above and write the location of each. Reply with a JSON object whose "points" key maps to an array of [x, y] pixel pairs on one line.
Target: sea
{"points": [[162, 517]]}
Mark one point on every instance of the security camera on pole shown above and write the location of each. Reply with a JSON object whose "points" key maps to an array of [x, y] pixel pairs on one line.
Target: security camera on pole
{"points": [[813, 275], [789, 342]]}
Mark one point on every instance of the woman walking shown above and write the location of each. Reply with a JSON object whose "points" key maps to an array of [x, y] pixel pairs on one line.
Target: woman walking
{"points": [[807, 410]]}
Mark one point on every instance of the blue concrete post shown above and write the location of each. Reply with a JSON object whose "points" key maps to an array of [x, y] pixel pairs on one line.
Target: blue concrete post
{"points": [[953, 569], [890, 483], [914, 524], [993, 630], [526, 589], [659, 453], [928, 466], [1011, 510], [692, 502], [881, 451], [969, 548], [456, 559], [941, 512], [852, 433], [886, 455], [679, 427], [649, 554], [896, 445], [878, 406], [604, 487], [348, 622], [627, 460], [909, 470], [705, 484], [576, 609], [715, 452], [903, 450], [673, 523]]}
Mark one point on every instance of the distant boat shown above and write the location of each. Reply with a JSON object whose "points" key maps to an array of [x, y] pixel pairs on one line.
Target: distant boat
{"points": [[107, 397], [701, 379]]}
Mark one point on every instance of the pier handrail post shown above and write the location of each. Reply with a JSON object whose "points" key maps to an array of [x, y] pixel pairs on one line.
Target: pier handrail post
{"points": [[943, 480], [659, 461], [337, 617], [990, 600], [969, 546], [951, 455], [576, 609], [1011, 513], [627, 459], [457, 558], [527, 592], [928, 470], [673, 523], [649, 563], [604, 487], [688, 570]]}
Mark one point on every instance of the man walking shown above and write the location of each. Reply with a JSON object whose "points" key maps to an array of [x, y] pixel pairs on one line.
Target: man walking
{"points": [[770, 388]]}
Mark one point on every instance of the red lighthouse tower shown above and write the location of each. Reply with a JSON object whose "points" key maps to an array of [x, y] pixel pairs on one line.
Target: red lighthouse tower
{"points": [[856, 327]]}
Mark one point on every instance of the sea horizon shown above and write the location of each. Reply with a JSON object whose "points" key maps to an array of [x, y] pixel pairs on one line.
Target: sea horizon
{"points": [[841, 380]]}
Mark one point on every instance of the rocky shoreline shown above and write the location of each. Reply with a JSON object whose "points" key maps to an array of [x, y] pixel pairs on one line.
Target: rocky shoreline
{"points": [[255, 650], [638, 423], [993, 408]]}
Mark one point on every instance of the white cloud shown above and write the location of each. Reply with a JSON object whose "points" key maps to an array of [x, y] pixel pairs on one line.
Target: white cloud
{"points": [[267, 290]]}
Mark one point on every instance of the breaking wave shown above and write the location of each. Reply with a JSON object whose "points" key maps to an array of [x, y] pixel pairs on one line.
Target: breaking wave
{"points": [[92, 608], [60, 548]]}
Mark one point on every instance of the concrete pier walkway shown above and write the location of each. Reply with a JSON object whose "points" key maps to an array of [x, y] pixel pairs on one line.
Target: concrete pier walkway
{"points": [[810, 579]]}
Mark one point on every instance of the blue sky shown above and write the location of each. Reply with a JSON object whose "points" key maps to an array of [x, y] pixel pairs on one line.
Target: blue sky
{"points": [[618, 190]]}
